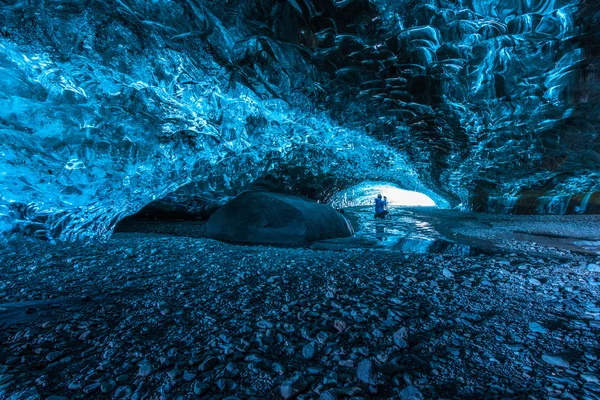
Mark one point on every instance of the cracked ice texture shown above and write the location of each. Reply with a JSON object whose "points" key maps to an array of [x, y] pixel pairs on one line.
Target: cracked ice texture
{"points": [[105, 106], [108, 105]]}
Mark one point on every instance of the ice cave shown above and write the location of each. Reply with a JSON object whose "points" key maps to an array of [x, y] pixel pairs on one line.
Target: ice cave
{"points": [[299, 199]]}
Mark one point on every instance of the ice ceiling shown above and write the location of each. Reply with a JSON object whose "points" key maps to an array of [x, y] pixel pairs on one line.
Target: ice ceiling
{"points": [[108, 105]]}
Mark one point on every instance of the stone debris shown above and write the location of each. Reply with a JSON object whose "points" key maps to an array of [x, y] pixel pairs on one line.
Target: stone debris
{"points": [[536, 327], [366, 371], [173, 317], [556, 360], [411, 393], [593, 267], [293, 387]]}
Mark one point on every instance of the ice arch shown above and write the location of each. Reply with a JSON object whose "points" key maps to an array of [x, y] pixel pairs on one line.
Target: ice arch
{"points": [[106, 106], [364, 193]]}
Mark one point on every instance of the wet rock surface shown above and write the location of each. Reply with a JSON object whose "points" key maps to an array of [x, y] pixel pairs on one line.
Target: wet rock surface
{"points": [[175, 317], [276, 218]]}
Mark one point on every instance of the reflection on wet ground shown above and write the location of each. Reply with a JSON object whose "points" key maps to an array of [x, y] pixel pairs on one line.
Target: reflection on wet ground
{"points": [[404, 231]]}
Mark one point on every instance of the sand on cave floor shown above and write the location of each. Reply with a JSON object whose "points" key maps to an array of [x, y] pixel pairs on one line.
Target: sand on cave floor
{"points": [[160, 316]]}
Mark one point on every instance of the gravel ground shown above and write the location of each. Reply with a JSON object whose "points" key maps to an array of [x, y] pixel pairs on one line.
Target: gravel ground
{"points": [[163, 317]]}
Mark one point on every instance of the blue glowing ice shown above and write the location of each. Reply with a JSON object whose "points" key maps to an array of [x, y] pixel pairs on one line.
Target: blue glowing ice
{"points": [[108, 105]]}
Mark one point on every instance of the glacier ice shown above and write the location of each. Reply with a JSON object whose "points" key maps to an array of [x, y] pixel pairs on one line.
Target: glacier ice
{"points": [[107, 105]]}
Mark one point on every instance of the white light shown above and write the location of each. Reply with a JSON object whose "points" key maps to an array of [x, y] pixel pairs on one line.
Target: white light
{"points": [[364, 194]]}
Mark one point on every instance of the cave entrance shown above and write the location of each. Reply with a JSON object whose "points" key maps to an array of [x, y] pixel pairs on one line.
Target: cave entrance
{"points": [[364, 194]]}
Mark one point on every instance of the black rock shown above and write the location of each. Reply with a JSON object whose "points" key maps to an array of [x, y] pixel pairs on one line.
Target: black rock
{"points": [[293, 387], [366, 372], [274, 218]]}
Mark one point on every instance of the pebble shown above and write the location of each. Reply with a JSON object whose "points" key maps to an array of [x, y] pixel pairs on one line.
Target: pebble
{"points": [[346, 329], [365, 371], [122, 392], [264, 324], [55, 355], [589, 377], [400, 337], [593, 267], [293, 386], [473, 317], [108, 387], [145, 369], [328, 395], [411, 393], [340, 326], [537, 327], [555, 360], [309, 350], [208, 364], [200, 388], [447, 273]]}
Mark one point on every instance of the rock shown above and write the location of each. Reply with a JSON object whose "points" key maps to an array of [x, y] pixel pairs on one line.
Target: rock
{"points": [[293, 387], [534, 282], [309, 350], [145, 369], [365, 371], [55, 355], [349, 391], [473, 317], [328, 395], [447, 273], [55, 397], [389, 368], [330, 378], [400, 338], [264, 324], [555, 360], [411, 393], [339, 325], [589, 377], [200, 388], [107, 387], [208, 364], [536, 327], [91, 388], [593, 267], [273, 218]]}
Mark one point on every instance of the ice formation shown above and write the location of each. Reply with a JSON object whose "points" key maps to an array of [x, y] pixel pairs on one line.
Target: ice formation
{"points": [[107, 105], [364, 194]]}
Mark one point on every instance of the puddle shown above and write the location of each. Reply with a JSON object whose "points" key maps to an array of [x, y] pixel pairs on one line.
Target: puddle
{"points": [[407, 233], [437, 246]]}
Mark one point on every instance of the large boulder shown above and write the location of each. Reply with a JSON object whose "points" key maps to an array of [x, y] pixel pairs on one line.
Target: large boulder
{"points": [[275, 218]]}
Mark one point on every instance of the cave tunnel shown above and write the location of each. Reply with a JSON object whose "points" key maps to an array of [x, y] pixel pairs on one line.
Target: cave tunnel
{"points": [[189, 199]]}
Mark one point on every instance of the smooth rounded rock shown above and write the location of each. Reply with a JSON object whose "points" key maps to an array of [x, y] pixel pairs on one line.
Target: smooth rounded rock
{"points": [[556, 361], [293, 386], [366, 372], [275, 218]]}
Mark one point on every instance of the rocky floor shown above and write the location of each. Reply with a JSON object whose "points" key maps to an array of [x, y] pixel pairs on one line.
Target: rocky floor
{"points": [[156, 316]]}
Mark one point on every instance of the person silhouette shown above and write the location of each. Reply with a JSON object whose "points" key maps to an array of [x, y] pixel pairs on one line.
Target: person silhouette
{"points": [[381, 207]]}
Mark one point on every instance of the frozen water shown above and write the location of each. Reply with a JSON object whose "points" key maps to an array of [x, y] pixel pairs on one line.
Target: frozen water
{"points": [[108, 105]]}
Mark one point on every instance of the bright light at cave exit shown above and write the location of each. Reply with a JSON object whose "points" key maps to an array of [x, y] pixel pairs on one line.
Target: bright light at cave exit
{"points": [[365, 193]]}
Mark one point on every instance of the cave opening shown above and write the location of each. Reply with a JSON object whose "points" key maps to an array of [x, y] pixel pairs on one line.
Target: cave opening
{"points": [[364, 194]]}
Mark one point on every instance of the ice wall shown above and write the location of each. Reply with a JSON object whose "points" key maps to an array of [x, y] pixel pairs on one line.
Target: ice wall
{"points": [[108, 105]]}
